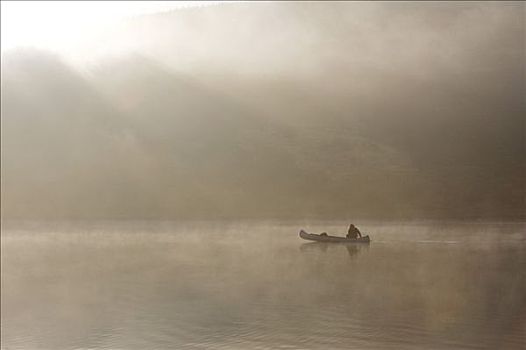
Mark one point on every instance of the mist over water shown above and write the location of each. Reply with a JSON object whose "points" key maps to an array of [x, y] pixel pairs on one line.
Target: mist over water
{"points": [[156, 171], [253, 285]]}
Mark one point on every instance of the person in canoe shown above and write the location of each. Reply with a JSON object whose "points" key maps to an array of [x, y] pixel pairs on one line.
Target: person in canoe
{"points": [[353, 232]]}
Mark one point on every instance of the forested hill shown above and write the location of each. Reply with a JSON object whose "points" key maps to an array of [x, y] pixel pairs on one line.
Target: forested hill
{"points": [[286, 111]]}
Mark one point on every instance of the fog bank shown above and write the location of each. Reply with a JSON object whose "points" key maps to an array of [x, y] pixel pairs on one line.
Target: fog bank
{"points": [[274, 110]]}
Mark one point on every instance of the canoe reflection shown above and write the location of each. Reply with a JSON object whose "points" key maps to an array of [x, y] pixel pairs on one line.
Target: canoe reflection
{"points": [[352, 249]]}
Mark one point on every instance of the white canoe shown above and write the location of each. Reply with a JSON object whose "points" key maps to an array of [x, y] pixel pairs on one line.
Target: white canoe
{"points": [[320, 238]]}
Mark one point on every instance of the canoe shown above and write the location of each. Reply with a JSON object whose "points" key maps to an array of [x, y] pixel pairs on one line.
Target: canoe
{"points": [[334, 239]]}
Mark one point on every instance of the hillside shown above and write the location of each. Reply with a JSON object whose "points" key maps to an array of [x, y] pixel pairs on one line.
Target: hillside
{"points": [[317, 113]]}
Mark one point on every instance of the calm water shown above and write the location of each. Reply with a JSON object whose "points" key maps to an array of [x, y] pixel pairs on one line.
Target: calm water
{"points": [[165, 285]]}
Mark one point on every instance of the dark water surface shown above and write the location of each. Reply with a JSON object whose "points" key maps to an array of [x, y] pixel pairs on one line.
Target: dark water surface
{"points": [[216, 285]]}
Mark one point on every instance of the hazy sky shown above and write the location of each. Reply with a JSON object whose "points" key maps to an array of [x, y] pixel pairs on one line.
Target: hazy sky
{"points": [[64, 25]]}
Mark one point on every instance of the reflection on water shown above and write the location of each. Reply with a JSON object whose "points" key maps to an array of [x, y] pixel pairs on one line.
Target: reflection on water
{"points": [[142, 285], [352, 248]]}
